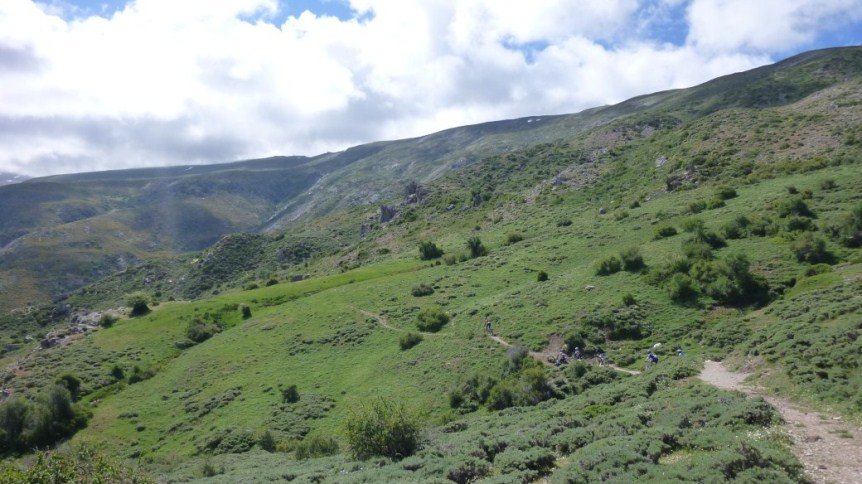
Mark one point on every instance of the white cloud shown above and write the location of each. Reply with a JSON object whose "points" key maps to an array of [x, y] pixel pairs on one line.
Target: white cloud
{"points": [[163, 82], [766, 25]]}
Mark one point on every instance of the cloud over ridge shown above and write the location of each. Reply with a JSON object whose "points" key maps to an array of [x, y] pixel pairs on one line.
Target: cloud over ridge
{"points": [[163, 82]]}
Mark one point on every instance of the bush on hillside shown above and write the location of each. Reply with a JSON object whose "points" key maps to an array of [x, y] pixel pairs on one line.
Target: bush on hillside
{"points": [[266, 441], [800, 224], [692, 224], [428, 250], [632, 260], [315, 445], [811, 249], [850, 229], [709, 237], [107, 320], [564, 222], [737, 228], [474, 245], [697, 206], [409, 340], [80, 464], [714, 203], [290, 394], [664, 231], [382, 428], [199, 330], [138, 303], [422, 290], [72, 383], [246, 311], [828, 184], [629, 300], [794, 206], [725, 192], [450, 259], [608, 266], [514, 238], [431, 320], [681, 288], [542, 276], [41, 422]]}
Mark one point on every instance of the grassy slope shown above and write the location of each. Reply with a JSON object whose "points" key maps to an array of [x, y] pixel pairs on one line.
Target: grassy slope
{"points": [[313, 333]]}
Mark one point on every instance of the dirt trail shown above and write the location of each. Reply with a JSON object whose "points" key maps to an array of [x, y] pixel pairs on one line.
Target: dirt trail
{"points": [[822, 443], [382, 321]]}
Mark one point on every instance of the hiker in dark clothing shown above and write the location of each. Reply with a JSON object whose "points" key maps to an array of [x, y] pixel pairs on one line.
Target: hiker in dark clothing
{"points": [[652, 358], [488, 326]]}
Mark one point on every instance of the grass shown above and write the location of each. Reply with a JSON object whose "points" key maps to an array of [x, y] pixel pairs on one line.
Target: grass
{"points": [[336, 336]]}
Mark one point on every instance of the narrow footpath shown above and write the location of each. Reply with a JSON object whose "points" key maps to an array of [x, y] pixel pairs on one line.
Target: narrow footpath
{"points": [[829, 448]]}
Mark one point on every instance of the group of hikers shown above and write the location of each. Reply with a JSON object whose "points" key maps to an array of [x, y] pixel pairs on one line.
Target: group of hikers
{"points": [[564, 356]]}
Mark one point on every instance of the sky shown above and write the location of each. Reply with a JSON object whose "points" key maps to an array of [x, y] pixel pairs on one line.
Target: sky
{"points": [[107, 84]]}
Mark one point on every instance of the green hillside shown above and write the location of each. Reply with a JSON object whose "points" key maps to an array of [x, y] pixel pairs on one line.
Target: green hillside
{"points": [[725, 220]]}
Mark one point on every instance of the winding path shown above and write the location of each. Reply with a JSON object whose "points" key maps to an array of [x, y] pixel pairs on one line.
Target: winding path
{"points": [[830, 449]]}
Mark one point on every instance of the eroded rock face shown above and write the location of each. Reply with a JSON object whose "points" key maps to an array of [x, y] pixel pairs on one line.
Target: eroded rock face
{"points": [[387, 213]]}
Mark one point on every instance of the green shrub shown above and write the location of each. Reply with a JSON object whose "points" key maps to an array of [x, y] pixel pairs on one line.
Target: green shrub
{"points": [[138, 304], [681, 288], [632, 260], [409, 340], [290, 394], [692, 224], [725, 193], [709, 237], [450, 259], [664, 231], [43, 421], [72, 383], [850, 229], [800, 224], [266, 441], [117, 372], [816, 269], [565, 222], [474, 245], [736, 228], [107, 320], [714, 203], [246, 311], [315, 445], [514, 238], [828, 184], [794, 206], [431, 320], [422, 290], [428, 250], [468, 469], [382, 428], [271, 282], [629, 300], [542, 276], [695, 251], [811, 249], [199, 330], [80, 464], [608, 266], [791, 189], [697, 206]]}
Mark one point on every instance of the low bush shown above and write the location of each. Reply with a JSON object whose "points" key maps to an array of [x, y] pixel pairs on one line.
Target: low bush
{"points": [[608, 266], [315, 445], [514, 238], [542, 276], [474, 245], [43, 421], [199, 330], [828, 184], [664, 231], [629, 300], [681, 288], [246, 311], [428, 250], [80, 464], [431, 320], [382, 428], [137, 302], [725, 193], [422, 290], [266, 441], [737, 228], [810, 249], [565, 222], [290, 394], [409, 340], [714, 203], [107, 320], [794, 206], [692, 224], [632, 260]]}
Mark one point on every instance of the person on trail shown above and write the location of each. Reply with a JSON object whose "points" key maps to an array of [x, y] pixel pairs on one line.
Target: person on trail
{"points": [[562, 358], [600, 354], [488, 326], [577, 353], [679, 351], [652, 358]]}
